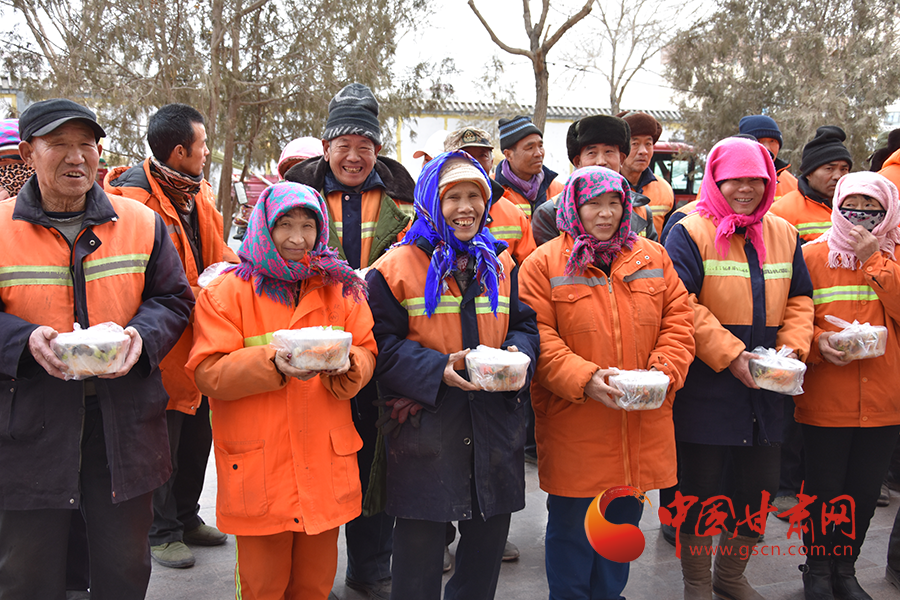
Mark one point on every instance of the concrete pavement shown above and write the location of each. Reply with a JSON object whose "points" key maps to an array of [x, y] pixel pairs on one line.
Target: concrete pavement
{"points": [[656, 575]]}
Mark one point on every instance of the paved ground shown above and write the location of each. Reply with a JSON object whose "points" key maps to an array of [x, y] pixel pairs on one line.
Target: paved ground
{"points": [[656, 575]]}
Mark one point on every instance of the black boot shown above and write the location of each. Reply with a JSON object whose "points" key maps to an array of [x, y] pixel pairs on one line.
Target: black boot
{"points": [[844, 583], [817, 580]]}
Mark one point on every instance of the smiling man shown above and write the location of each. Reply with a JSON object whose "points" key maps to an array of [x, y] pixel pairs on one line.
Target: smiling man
{"points": [[370, 204], [72, 253], [825, 160], [171, 183]]}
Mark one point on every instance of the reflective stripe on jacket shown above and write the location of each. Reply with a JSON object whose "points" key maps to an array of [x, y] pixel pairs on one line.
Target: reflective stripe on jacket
{"points": [[637, 318], [122, 268], [138, 184], [811, 218], [863, 393], [738, 306], [463, 436], [285, 449]]}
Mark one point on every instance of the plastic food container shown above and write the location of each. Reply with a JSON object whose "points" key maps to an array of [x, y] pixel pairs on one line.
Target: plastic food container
{"points": [[858, 340], [776, 372], [644, 390], [97, 350], [315, 348], [496, 370], [211, 272]]}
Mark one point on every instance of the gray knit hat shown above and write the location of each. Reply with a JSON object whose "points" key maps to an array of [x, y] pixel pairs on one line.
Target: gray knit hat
{"points": [[513, 130], [353, 111]]}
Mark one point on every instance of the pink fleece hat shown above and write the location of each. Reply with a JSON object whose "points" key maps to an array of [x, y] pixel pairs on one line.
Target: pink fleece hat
{"points": [[734, 158], [840, 244], [298, 150]]}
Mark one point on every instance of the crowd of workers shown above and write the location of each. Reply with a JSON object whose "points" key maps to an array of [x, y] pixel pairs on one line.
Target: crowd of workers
{"points": [[585, 275]]}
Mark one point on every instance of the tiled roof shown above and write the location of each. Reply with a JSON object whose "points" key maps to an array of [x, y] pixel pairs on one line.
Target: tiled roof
{"points": [[568, 113]]}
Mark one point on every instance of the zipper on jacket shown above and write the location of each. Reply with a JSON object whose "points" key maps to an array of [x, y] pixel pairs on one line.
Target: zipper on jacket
{"points": [[617, 332]]}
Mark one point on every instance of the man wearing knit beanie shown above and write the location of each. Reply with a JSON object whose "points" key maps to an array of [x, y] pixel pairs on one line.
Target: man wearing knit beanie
{"points": [[767, 133], [645, 132], [522, 173], [825, 160], [370, 205], [596, 141]]}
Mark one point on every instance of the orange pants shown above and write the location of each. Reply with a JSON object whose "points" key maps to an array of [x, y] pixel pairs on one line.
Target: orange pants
{"points": [[286, 566]]}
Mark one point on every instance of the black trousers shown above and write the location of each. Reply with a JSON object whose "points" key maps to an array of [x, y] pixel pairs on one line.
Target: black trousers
{"points": [[755, 469], [369, 539], [33, 543], [792, 460], [176, 503], [419, 556], [844, 461]]}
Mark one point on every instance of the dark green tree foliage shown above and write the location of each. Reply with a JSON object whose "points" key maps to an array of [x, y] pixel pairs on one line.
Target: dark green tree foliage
{"points": [[803, 62]]}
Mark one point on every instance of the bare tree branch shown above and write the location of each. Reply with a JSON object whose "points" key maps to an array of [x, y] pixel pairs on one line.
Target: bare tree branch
{"points": [[494, 37]]}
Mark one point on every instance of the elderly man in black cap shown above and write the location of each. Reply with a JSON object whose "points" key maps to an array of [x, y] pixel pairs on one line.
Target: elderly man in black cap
{"points": [[71, 253]]}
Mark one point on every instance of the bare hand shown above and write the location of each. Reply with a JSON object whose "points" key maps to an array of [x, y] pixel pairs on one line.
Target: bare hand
{"points": [[452, 378], [39, 346], [597, 389], [283, 364], [512, 349], [134, 345], [339, 371], [829, 352], [740, 368], [864, 243]]}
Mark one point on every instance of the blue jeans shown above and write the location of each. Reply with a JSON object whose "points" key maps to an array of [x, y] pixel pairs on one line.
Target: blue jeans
{"points": [[574, 570]]}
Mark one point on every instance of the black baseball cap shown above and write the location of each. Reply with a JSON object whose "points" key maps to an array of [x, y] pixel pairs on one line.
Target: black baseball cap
{"points": [[43, 117]]}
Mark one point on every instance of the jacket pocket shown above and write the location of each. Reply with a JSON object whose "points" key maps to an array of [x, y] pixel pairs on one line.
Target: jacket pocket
{"points": [[21, 415], [574, 309], [648, 295], [344, 468], [241, 470]]}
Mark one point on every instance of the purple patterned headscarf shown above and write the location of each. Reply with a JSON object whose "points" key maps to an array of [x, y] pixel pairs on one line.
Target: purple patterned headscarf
{"points": [[584, 184], [275, 277]]}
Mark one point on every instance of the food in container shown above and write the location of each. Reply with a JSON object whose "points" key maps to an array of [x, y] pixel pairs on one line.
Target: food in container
{"points": [[858, 340], [97, 350], [211, 272], [315, 348], [496, 370], [644, 390], [777, 372]]}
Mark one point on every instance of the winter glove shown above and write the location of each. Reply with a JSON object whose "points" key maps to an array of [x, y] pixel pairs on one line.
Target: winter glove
{"points": [[401, 410]]}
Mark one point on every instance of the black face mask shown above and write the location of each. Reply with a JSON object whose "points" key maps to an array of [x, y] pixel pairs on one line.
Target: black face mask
{"points": [[869, 219]]}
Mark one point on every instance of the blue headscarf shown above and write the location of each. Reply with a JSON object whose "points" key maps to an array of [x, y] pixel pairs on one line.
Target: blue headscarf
{"points": [[431, 225]]}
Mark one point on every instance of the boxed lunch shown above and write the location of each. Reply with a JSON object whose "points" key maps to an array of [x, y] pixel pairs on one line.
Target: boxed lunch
{"points": [[315, 348], [496, 370], [777, 372], [97, 350], [644, 390], [858, 340]]}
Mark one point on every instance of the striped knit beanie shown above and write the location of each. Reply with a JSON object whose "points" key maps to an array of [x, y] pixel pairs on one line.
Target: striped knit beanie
{"points": [[353, 111], [513, 130]]}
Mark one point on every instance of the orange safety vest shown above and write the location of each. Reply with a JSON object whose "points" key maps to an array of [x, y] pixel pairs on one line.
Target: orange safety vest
{"points": [[183, 394], [811, 218], [509, 223], [39, 280]]}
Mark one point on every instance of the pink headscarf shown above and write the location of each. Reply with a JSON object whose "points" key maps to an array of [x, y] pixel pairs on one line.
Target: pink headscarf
{"points": [[840, 244], [733, 158]]}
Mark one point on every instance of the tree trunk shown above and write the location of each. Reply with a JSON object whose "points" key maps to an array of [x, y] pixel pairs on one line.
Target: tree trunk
{"points": [[215, 80], [230, 132], [542, 91]]}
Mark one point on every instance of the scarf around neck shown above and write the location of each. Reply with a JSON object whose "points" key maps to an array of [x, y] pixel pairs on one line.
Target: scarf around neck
{"points": [[178, 187], [735, 158], [840, 244], [528, 188], [584, 184], [431, 226], [278, 278]]}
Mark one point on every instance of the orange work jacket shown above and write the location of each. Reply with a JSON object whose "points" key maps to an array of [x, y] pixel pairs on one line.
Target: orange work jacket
{"points": [[509, 224], [183, 394], [285, 449], [637, 318], [811, 218]]}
